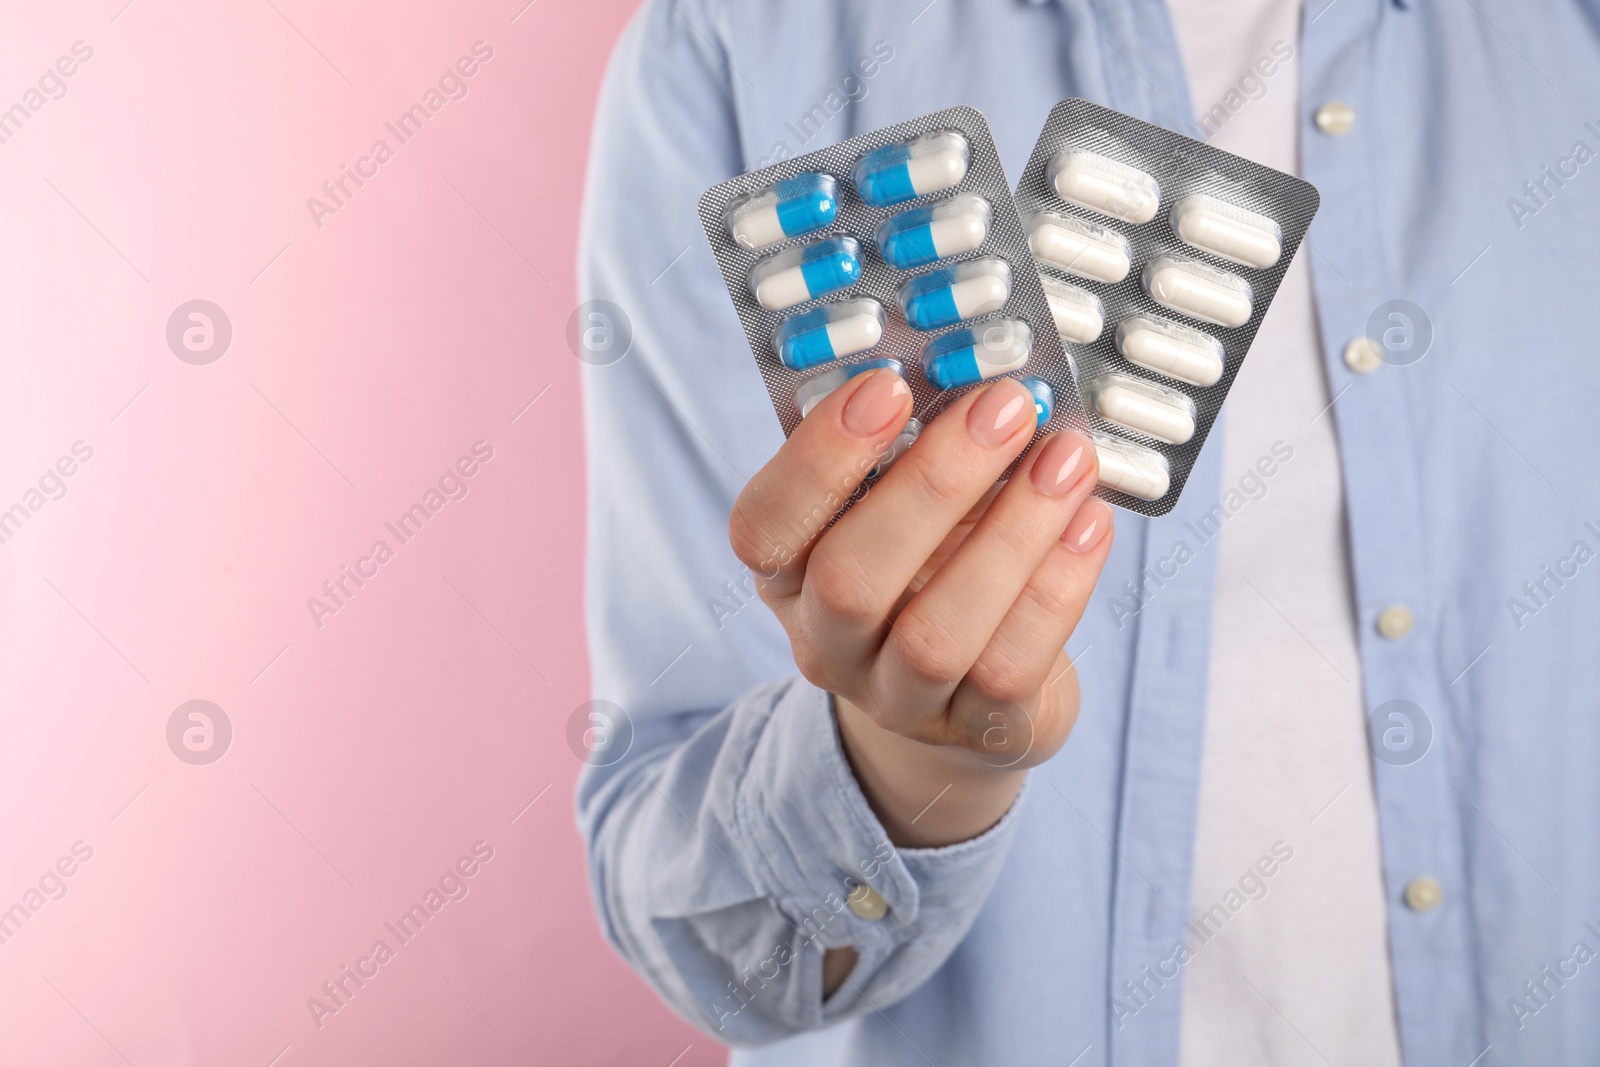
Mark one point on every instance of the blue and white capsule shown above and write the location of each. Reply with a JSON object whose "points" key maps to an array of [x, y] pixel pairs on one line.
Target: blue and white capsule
{"points": [[791, 208], [827, 333], [978, 353], [1044, 398], [896, 173], [960, 291], [796, 275], [926, 235], [813, 392]]}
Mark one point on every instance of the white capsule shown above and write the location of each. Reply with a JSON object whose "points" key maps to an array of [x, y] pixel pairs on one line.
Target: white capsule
{"points": [[1226, 230], [1130, 469], [1100, 184], [1177, 351], [1165, 414], [1080, 248], [1198, 290], [1079, 315]]}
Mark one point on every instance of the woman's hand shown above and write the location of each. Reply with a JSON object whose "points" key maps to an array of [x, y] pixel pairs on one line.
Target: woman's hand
{"points": [[936, 609]]}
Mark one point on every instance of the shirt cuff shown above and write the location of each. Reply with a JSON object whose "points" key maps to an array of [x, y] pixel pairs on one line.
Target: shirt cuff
{"points": [[803, 817]]}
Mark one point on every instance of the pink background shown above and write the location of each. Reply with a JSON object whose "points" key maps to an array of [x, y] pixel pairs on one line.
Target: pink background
{"points": [[367, 356]]}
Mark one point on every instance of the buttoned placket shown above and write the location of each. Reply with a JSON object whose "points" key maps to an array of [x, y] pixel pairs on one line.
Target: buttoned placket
{"points": [[1419, 816]]}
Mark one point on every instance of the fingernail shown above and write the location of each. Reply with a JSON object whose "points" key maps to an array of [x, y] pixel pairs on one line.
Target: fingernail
{"points": [[879, 402], [1089, 526], [1059, 463], [1002, 408]]}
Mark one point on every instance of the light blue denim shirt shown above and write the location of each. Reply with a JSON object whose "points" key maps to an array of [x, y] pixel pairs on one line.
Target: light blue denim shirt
{"points": [[723, 846]]}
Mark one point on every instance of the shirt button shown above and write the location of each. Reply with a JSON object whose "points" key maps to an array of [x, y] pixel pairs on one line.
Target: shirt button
{"points": [[1395, 621], [867, 903], [1362, 356], [1423, 894], [1335, 118]]}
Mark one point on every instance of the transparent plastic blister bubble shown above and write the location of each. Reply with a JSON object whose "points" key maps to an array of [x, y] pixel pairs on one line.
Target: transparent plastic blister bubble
{"points": [[900, 248], [1159, 256]]}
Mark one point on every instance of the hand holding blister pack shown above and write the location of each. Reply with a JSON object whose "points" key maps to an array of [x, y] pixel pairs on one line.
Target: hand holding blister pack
{"points": [[901, 248], [1159, 255]]}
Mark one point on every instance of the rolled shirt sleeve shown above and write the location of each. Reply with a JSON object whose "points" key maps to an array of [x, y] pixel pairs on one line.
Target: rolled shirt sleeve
{"points": [[724, 862], [725, 844]]}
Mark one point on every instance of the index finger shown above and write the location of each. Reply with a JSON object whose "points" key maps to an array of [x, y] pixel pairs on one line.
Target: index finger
{"points": [[791, 500]]}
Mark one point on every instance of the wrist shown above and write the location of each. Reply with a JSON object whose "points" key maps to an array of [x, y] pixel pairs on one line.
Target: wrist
{"points": [[925, 796]]}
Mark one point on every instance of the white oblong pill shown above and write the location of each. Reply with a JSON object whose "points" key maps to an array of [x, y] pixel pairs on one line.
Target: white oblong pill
{"points": [[1101, 184], [1165, 414], [1079, 315], [1080, 248], [1198, 291], [1177, 351], [1226, 230], [1130, 469]]}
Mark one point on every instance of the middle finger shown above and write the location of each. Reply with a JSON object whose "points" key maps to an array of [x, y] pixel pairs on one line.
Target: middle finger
{"points": [[858, 572]]}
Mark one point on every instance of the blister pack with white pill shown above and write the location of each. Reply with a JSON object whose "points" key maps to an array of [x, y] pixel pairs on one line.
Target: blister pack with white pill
{"points": [[900, 248], [1159, 256]]}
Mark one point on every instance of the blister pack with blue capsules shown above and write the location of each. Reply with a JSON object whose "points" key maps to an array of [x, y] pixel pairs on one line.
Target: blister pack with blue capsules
{"points": [[1159, 255], [900, 248]]}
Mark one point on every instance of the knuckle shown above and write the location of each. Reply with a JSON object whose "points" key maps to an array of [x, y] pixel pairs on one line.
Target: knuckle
{"points": [[1014, 539], [931, 732], [879, 714], [746, 535], [999, 675], [889, 716], [926, 651], [812, 663], [834, 591], [939, 485], [1057, 600]]}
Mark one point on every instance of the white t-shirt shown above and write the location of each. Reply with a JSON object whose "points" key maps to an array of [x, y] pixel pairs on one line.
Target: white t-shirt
{"points": [[1299, 974]]}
